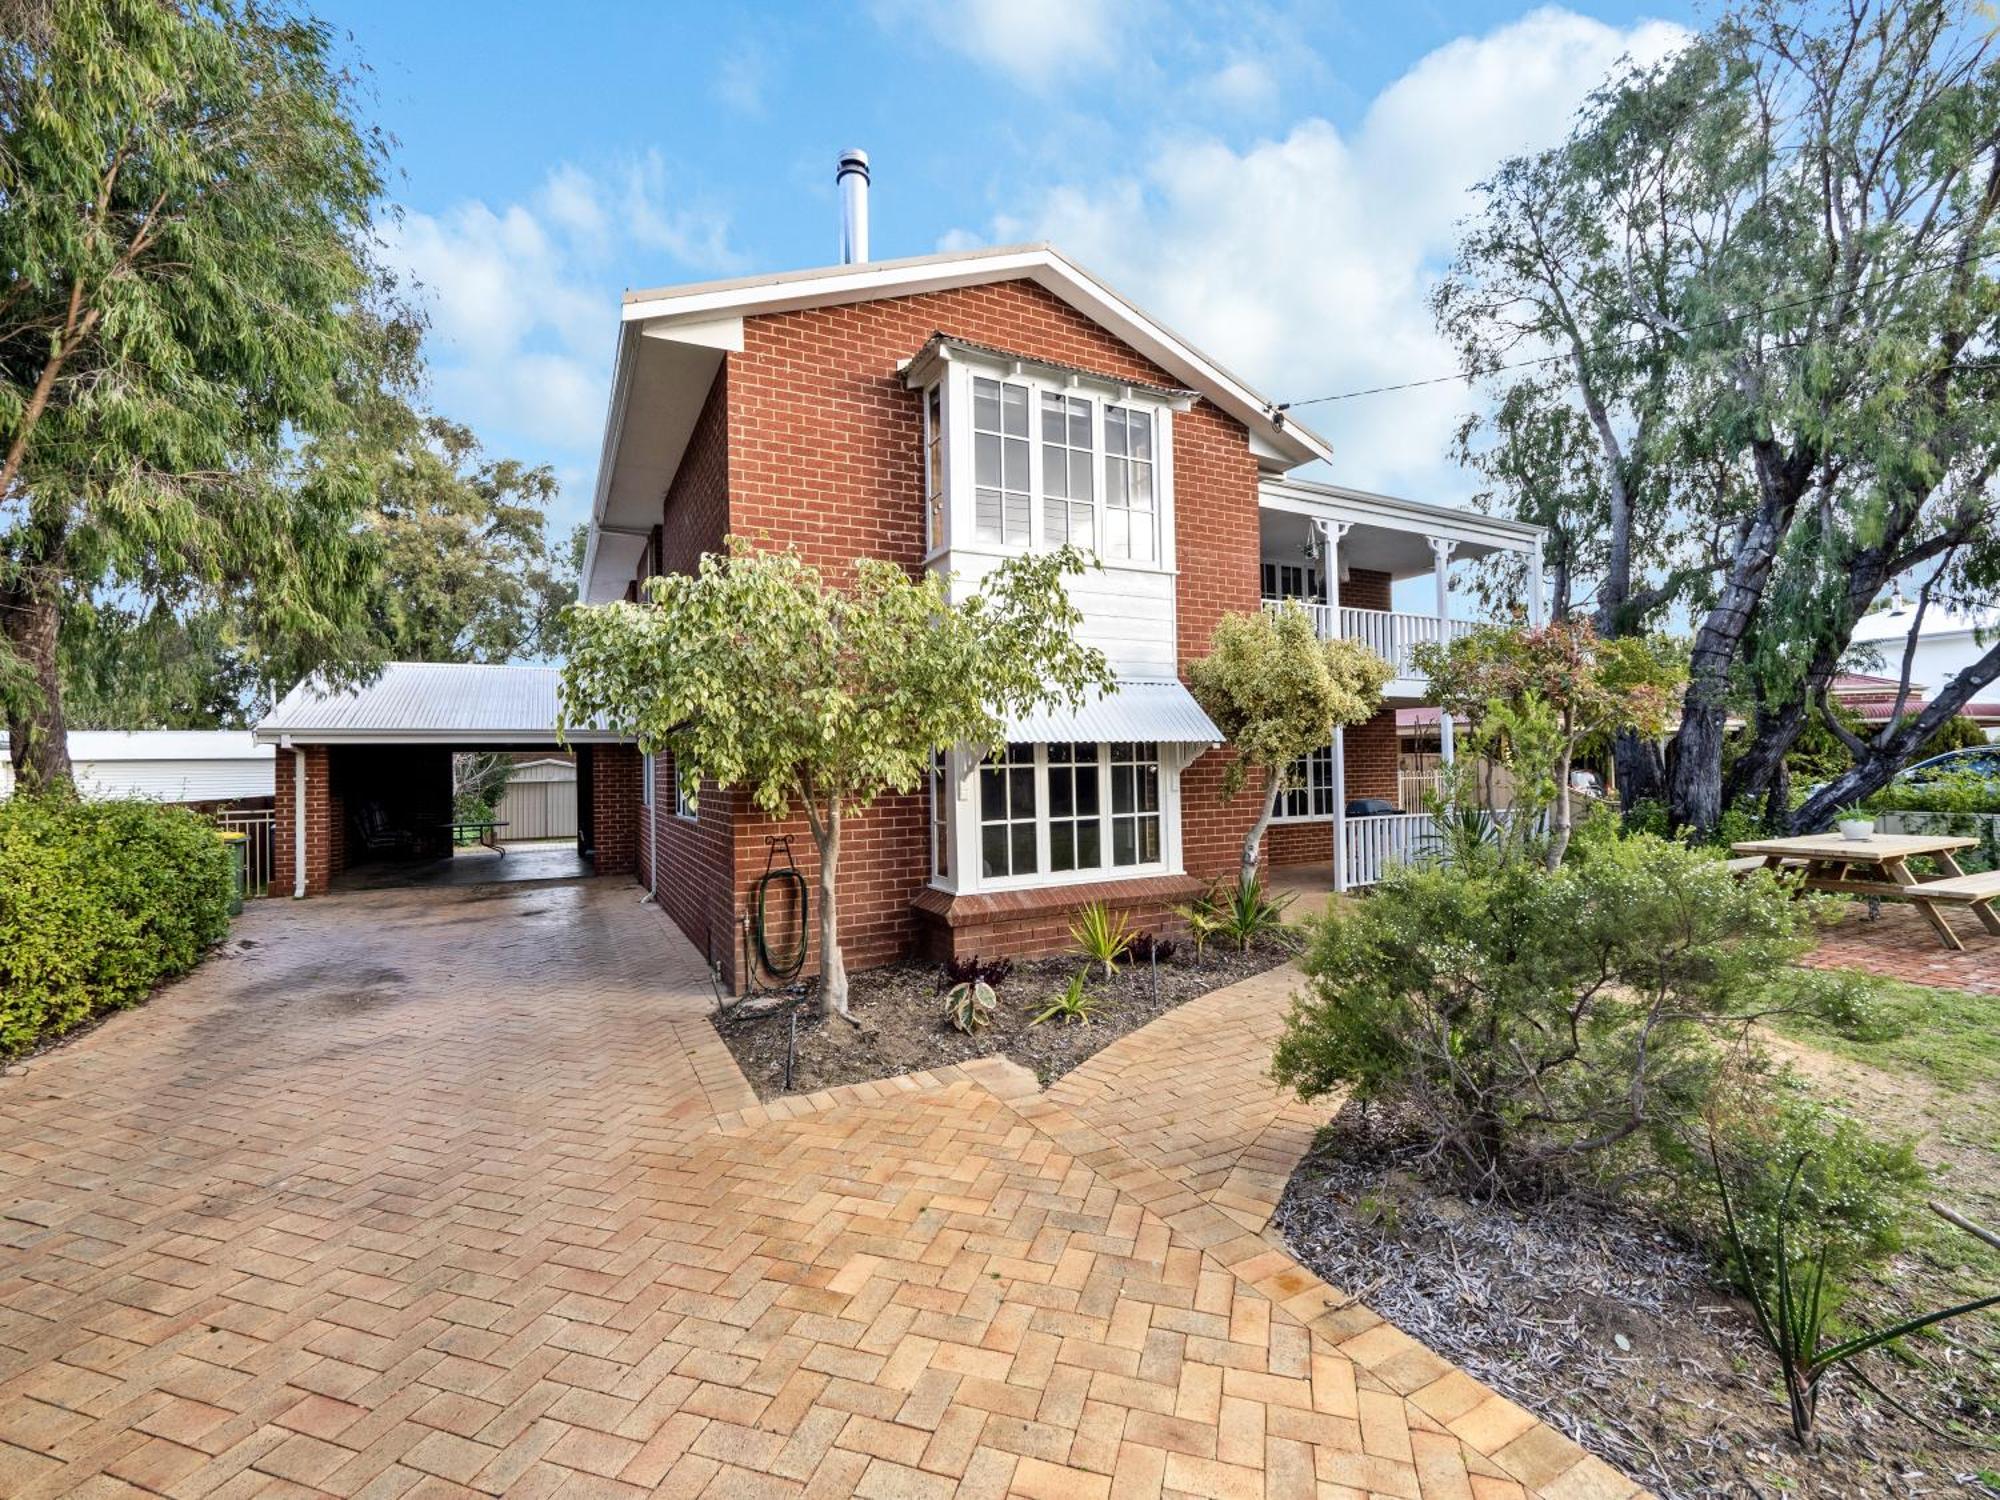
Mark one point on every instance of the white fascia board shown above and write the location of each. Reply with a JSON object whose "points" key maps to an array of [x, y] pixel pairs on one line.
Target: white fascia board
{"points": [[614, 427], [710, 333], [1397, 514]]}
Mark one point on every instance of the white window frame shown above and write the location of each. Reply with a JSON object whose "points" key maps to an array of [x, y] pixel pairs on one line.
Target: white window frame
{"points": [[937, 473], [648, 773], [1309, 788], [1071, 507], [968, 851], [1031, 491], [961, 534], [1152, 461]]}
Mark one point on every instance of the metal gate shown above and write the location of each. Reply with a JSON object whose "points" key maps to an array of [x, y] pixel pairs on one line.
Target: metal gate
{"points": [[257, 825], [539, 803]]}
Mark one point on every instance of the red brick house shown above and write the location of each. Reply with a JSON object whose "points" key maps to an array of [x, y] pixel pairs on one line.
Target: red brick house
{"points": [[944, 412]]}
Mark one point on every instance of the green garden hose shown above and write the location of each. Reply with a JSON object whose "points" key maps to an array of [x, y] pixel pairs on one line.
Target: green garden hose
{"points": [[784, 966]]}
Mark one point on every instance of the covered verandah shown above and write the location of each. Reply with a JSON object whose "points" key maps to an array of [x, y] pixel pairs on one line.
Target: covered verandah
{"points": [[364, 785]]}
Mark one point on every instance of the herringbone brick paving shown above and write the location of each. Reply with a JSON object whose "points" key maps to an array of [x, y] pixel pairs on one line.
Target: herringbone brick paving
{"points": [[1899, 944], [458, 1193]]}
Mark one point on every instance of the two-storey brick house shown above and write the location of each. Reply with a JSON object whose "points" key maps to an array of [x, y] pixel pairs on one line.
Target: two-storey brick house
{"points": [[946, 412]]}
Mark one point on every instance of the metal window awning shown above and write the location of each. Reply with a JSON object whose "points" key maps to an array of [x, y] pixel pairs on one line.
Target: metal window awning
{"points": [[1133, 710]]}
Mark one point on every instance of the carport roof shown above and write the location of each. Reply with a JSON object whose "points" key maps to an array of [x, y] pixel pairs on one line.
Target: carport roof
{"points": [[434, 703]]}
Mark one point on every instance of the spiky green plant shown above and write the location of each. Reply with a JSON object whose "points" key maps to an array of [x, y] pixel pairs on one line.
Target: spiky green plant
{"points": [[1075, 1006], [970, 1005], [1202, 921], [1245, 914], [1791, 1301], [1102, 935]]}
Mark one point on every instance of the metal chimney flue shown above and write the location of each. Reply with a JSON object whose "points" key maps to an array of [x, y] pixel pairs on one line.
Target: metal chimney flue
{"points": [[853, 180]]}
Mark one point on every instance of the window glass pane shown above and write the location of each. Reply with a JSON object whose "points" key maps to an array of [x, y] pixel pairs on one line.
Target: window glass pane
{"points": [[1139, 425], [1014, 410], [1024, 848], [986, 459], [1079, 423], [1089, 853], [1079, 475], [1114, 429], [986, 405], [993, 849], [1122, 842], [1062, 846], [1015, 472]]}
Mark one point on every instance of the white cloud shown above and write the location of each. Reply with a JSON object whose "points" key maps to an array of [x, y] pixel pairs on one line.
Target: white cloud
{"points": [[1304, 263], [523, 298], [1032, 41], [1247, 86]]}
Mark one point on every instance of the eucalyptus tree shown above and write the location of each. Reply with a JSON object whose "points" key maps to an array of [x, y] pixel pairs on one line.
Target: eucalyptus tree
{"points": [[1766, 262], [190, 297]]}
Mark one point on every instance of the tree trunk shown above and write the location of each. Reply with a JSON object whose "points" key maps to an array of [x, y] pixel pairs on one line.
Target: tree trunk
{"points": [[38, 739], [1561, 818], [1695, 787], [1253, 840], [1642, 771], [832, 967]]}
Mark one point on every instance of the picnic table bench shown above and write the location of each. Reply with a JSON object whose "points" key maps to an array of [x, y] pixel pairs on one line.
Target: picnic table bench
{"points": [[1878, 866], [487, 834]]}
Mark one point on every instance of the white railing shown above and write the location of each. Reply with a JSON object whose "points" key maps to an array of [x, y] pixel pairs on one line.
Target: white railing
{"points": [[1413, 787], [1374, 844], [1390, 634], [1393, 636]]}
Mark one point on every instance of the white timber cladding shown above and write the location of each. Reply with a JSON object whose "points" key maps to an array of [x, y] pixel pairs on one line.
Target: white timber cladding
{"points": [[1024, 458]]}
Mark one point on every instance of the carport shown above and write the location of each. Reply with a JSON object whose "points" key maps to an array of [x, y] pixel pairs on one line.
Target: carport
{"points": [[364, 773]]}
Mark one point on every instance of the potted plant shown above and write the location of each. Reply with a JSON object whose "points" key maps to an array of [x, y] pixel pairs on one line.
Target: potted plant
{"points": [[1855, 823]]}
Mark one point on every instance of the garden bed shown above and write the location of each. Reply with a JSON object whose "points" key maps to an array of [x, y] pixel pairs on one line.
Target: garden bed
{"points": [[900, 1008], [1613, 1329]]}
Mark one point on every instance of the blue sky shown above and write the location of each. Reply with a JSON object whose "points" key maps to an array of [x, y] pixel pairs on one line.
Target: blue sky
{"points": [[1277, 182]]}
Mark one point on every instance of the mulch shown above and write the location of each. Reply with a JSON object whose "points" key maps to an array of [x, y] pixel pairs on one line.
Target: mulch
{"points": [[900, 1008]]}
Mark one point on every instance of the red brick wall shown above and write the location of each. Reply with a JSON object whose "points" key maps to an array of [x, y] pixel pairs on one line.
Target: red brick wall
{"points": [[1363, 589], [1034, 924], [614, 807], [319, 822]]}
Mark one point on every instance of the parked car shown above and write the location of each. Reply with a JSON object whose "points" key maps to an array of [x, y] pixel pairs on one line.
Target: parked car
{"points": [[1982, 761]]}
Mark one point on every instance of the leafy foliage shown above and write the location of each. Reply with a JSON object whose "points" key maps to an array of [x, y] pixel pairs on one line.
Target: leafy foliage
{"points": [[970, 1005], [1276, 691], [969, 970], [1539, 1025], [1549, 694], [188, 214], [1102, 935], [758, 672], [1075, 1006], [1793, 1289], [99, 901], [1150, 948]]}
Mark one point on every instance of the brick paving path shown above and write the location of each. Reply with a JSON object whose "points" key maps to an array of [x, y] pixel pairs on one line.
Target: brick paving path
{"points": [[1901, 945], [458, 1193], [1189, 1095]]}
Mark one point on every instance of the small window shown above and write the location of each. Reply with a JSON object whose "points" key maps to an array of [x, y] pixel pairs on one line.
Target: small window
{"points": [[684, 803], [1135, 804], [934, 476], [1000, 462], [646, 776], [1131, 513], [941, 800], [1069, 456], [1007, 813], [1076, 840]]}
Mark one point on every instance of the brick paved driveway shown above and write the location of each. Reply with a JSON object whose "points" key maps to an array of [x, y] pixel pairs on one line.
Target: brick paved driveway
{"points": [[458, 1193]]}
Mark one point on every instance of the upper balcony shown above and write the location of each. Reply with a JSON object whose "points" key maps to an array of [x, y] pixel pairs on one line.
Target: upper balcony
{"points": [[1341, 552]]}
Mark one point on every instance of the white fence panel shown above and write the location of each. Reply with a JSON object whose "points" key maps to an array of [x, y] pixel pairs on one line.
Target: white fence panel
{"points": [[1376, 844]]}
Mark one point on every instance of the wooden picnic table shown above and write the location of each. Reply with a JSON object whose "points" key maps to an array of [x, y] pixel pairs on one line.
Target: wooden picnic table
{"points": [[488, 833], [1879, 865]]}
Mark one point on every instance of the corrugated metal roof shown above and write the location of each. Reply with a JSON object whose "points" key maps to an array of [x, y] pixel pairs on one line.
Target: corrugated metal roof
{"points": [[451, 702], [1134, 710]]}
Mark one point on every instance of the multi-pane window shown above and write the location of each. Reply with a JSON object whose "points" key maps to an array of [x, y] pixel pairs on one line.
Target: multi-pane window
{"points": [[1000, 508], [1135, 803], [1308, 786], [934, 476], [1068, 461], [1292, 581], [1007, 813], [1076, 834], [1131, 500], [940, 815]]}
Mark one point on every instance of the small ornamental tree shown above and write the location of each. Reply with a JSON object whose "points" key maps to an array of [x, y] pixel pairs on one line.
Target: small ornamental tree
{"points": [[1593, 689], [756, 672], [1276, 691]]}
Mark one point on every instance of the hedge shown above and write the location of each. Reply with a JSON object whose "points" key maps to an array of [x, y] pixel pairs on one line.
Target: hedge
{"points": [[99, 901]]}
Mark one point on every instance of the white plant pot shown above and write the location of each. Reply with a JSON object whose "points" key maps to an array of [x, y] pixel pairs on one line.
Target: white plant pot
{"points": [[1857, 828]]}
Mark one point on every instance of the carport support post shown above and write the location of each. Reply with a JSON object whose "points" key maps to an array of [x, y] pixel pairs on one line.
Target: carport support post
{"points": [[298, 817]]}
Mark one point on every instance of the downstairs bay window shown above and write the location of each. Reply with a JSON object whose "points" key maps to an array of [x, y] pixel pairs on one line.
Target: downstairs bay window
{"points": [[1056, 813]]}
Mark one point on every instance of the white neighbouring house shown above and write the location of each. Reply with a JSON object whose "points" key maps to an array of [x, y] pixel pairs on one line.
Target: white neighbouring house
{"points": [[201, 766]]}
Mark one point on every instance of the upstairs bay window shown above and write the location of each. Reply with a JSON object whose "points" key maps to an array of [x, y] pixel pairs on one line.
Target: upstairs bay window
{"points": [[1019, 456]]}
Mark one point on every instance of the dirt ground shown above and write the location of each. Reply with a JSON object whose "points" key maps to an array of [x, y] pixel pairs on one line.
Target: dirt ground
{"points": [[1614, 1330], [903, 1028]]}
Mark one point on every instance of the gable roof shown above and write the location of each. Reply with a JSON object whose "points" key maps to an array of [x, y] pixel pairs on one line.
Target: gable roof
{"points": [[673, 338]]}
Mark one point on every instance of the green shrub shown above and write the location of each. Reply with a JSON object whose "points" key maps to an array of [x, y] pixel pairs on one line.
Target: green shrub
{"points": [[99, 901], [1538, 1025]]}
